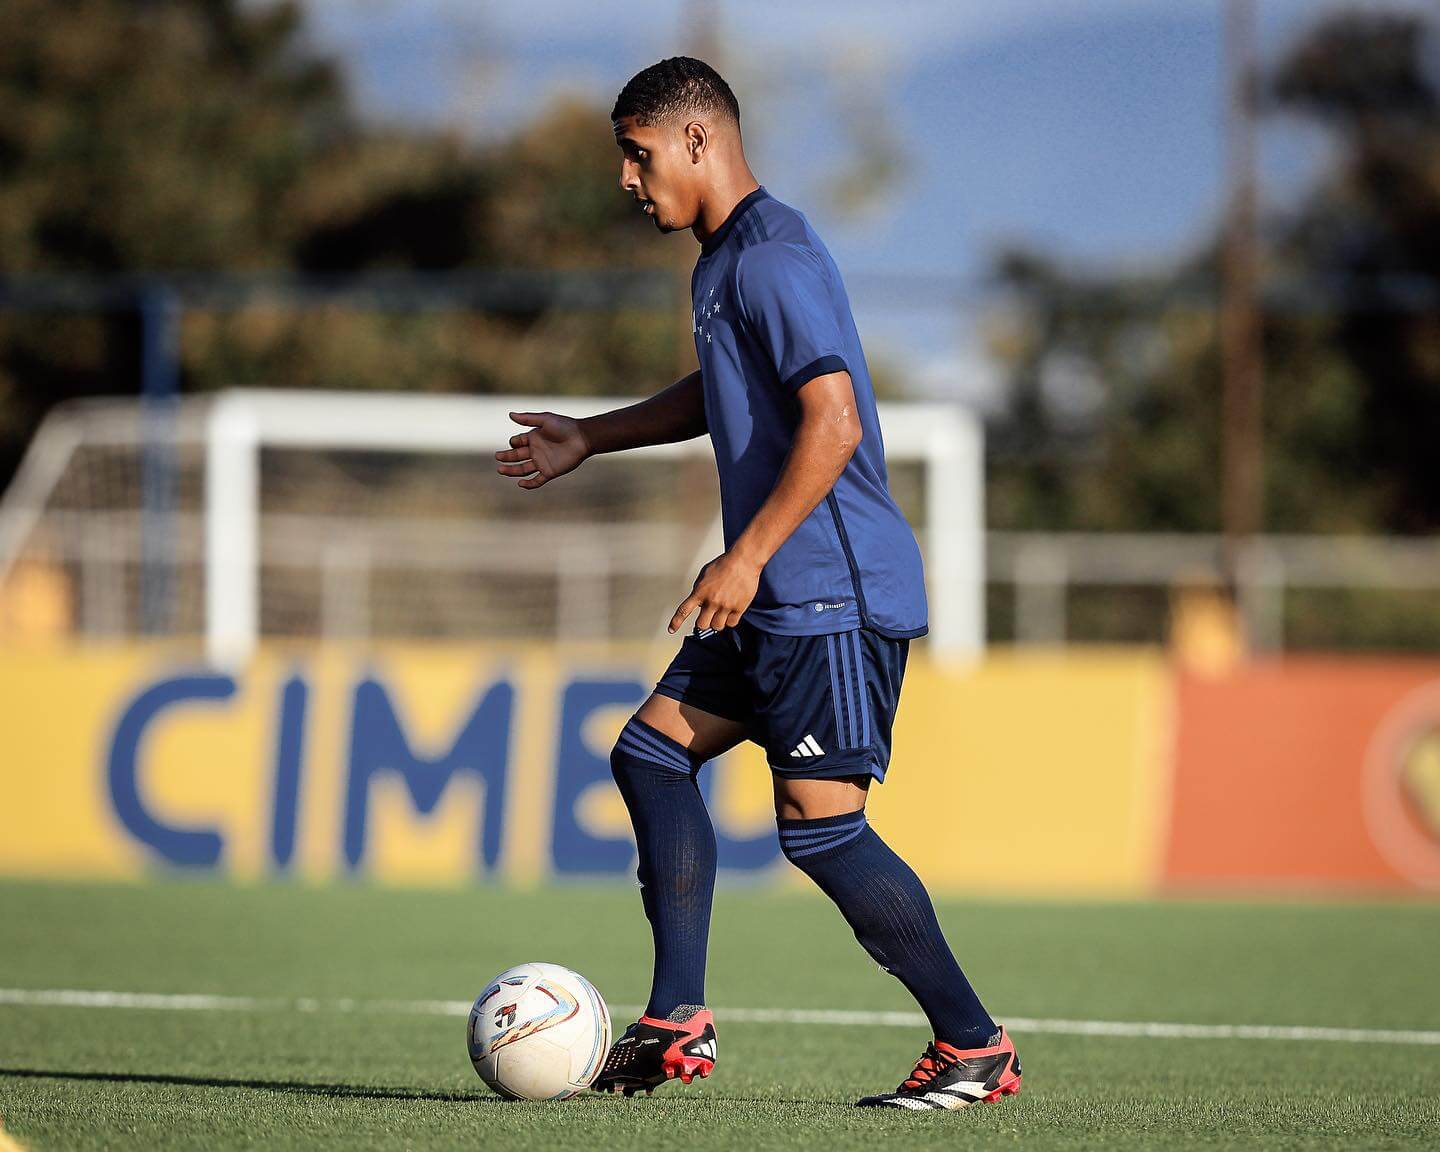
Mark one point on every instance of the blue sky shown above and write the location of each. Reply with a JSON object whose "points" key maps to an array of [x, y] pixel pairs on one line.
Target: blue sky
{"points": [[1088, 128]]}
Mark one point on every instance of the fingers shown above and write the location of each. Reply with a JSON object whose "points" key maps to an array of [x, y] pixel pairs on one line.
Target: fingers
{"points": [[711, 616], [688, 605], [515, 460]]}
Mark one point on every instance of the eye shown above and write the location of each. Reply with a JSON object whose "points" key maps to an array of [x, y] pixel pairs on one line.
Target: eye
{"points": [[641, 154]]}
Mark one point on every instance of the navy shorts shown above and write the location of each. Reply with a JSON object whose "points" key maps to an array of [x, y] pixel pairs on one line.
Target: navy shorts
{"points": [[820, 706]]}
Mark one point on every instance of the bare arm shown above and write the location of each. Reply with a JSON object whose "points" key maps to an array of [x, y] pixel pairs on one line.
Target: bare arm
{"points": [[675, 413], [559, 444], [826, 437]]}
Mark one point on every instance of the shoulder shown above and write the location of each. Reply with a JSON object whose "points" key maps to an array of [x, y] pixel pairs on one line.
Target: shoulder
{"points": [[776, 220], [773, 263]]}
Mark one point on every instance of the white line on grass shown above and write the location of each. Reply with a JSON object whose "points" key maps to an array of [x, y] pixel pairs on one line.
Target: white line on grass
{"points": [[79, 998]]}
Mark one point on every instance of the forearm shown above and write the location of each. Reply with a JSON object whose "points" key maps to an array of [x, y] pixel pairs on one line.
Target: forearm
{"points": [[826, 436], [675, 413], [817, 457]]}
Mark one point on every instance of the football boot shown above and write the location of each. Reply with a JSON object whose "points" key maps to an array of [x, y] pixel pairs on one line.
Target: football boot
{"points": [[652, 1051], [946, 1078]]}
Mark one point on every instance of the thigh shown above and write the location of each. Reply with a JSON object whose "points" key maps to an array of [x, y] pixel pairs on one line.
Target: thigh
{"points": [[703, 699], [703, 733], [803, 798]]}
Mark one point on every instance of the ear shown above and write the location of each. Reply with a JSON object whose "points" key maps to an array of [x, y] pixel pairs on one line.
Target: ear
{"points": [[697, 140]]}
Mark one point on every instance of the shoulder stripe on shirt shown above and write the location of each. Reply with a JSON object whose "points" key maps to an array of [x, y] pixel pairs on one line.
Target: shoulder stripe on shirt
{"points": [[748, 232], [742, 231]]}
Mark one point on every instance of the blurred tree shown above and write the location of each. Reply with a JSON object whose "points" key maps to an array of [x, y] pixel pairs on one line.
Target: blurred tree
{"points": [[155, 136], [1372, 230], [384, 202], [139, 137], [1115, 384], [199, 136]]}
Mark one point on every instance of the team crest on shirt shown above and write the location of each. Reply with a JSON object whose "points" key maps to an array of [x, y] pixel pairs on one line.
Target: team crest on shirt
{"points": [[701, 316]]}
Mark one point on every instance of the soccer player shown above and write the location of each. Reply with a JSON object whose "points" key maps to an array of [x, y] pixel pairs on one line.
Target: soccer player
{"points": [[802, 626]]}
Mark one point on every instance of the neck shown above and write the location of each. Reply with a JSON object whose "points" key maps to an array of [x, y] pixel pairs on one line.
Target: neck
{"points": [[719, 201]]}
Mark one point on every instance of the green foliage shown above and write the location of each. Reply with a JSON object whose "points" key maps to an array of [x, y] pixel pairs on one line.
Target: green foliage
{"points": [[1351, 339], [155, 136], [205, 136]]}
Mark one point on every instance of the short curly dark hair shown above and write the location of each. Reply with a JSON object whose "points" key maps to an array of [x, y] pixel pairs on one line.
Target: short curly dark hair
{"points": [[672, 88]]}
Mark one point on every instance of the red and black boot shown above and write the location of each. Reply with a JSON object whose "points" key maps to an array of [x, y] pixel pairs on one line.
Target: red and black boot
{"points": [[653, 1051], [947, 1077]]}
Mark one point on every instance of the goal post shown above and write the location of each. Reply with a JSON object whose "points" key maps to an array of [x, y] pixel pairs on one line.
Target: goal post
{"points": [[366, 515]]}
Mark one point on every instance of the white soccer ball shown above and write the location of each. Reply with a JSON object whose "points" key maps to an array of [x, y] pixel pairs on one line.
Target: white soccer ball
{"points": [[539, 1032]]}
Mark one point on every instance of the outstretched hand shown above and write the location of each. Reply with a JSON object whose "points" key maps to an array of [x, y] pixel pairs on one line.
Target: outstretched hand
{"points": [[722, 592], [554, 446]]}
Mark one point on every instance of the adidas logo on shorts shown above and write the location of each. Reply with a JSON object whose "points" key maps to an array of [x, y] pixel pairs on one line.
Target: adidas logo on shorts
{"points": [[807, 748]]}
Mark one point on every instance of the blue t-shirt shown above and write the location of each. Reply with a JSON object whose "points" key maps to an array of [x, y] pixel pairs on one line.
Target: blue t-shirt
{"points": [[770, 315]]}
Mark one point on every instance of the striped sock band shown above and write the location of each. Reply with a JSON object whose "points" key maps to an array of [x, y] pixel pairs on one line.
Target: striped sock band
{"points": [[654, 747], [807, 837]]}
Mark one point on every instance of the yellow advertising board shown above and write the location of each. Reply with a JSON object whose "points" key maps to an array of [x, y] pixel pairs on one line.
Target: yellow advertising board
{"points": [[1032, 772], [456, 763]]}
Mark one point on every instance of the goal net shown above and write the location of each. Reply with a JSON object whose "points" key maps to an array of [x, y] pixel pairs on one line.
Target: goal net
{"points": [[270, 514]]}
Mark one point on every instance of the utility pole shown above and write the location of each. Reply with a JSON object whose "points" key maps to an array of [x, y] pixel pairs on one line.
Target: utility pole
{"points": [[159, 393], [1241, 429]]}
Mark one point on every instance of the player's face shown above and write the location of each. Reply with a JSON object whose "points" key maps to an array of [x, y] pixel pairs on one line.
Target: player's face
{"points": [[655, 168]]}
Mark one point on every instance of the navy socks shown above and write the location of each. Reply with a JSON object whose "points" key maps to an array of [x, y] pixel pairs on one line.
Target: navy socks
{"points": [[656, 778], [890, 911], [882, 900]]}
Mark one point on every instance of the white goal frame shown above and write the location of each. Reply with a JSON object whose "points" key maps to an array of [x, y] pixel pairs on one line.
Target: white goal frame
{"points": [[235, 426]]}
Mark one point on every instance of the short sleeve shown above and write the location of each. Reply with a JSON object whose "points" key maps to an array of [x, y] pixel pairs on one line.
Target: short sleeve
{"points": [[787, 304]]}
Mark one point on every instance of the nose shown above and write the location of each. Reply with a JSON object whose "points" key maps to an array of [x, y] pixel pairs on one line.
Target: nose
{"points": [[629, 176]]}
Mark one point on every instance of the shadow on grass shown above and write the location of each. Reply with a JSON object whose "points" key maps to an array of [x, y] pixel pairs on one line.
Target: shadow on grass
{"points": [[295, 1087], [362, 1092]]}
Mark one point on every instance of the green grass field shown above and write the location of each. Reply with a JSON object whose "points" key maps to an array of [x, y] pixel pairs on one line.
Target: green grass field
{"points": [[372, 1074]]}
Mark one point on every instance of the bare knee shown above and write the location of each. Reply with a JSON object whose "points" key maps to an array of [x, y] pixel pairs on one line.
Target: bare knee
{"points": [[703, 733], [813, 799]]}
